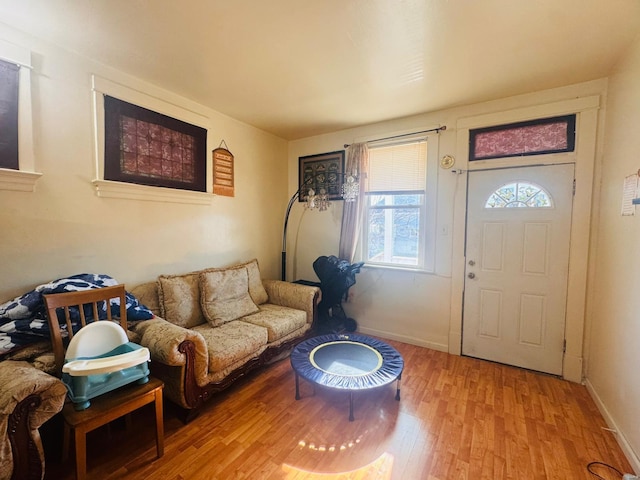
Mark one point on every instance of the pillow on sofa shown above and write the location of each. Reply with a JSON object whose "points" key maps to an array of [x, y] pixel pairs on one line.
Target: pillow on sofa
{"points": [[256, 289], [224, 295], [179, 298]]}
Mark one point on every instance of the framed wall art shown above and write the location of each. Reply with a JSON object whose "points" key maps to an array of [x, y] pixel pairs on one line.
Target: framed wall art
{"points": [[325, 170], [149, 148]]}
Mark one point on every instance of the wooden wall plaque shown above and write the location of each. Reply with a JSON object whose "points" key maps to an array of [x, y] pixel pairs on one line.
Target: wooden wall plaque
{"points": [[223, 183]]}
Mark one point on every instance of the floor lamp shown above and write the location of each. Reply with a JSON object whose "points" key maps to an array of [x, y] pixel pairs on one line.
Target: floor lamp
{"points": [[350, 189]]}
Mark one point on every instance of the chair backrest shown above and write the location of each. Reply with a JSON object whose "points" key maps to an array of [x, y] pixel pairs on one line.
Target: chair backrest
{"points": [[72, 305]]}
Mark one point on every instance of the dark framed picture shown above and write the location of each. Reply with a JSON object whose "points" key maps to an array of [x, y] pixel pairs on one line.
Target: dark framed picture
{"points": [[149, 148], [323, 171]]}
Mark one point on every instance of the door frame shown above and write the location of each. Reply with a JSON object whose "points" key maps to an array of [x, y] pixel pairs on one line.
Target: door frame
{"points": [[584, 156]]}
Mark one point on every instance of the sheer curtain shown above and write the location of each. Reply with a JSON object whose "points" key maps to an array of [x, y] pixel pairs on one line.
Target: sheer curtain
{"points": [[352, 212]]}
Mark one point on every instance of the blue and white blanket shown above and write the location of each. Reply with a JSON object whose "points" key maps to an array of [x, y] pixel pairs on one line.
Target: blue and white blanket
{"points": [[23, 320]]}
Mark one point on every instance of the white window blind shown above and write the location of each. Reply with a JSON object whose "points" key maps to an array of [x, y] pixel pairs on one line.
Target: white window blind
{"points": [[398, 168]]}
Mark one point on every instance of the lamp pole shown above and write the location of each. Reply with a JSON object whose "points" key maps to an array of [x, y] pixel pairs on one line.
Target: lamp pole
{"points": [[322, 199], [284, 234]]}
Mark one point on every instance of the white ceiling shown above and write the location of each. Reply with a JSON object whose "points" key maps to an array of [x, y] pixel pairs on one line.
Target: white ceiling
{"points": [[298, 68]]}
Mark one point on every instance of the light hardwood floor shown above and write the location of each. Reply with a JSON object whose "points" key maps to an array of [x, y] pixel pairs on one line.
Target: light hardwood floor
{"points": [[458, 418]]}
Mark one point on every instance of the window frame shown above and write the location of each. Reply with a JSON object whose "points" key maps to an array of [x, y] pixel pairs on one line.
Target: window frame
{"points": [[420, 207], [25, 177], [158, 100], [427, 235]]}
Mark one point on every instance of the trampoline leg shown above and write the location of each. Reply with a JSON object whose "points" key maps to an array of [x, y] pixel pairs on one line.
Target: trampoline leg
{"points": [[398, 389], [351, 407], [297, 388]]}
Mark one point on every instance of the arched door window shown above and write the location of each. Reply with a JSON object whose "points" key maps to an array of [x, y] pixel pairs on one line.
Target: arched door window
{"points": [[519, 195]]}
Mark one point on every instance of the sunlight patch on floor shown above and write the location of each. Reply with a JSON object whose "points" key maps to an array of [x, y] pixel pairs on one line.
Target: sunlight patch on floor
{"points": [[379, 469]]}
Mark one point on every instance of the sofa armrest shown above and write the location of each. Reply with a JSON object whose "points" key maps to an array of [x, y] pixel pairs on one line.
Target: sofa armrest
{"points": [[293, 295], [28, 398], [163, 339]]}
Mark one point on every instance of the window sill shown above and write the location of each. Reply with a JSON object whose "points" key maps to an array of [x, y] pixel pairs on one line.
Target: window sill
{"points": [[131, 191], [18, 181], [399, 268]]}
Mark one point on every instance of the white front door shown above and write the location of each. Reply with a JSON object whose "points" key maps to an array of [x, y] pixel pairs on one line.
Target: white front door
{"points": [[517, 260]]}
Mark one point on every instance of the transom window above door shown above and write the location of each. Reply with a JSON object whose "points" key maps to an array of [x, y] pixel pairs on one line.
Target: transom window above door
{"points": [[519, 195], [533, 137]]}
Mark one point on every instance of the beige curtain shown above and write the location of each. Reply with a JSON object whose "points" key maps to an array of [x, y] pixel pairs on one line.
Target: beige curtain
{"points": [[352, 212]]}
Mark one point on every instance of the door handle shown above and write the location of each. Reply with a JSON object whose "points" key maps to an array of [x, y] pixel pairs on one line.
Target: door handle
{"points": [[471, 275]]}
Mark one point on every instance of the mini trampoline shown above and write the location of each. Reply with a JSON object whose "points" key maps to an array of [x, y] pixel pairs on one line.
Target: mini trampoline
{"points": [[347, 362]]}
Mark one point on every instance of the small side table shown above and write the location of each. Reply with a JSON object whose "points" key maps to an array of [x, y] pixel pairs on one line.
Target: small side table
{"points": [[107, 408]]}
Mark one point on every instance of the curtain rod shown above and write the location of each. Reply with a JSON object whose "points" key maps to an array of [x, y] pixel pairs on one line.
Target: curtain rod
{"points": [[439, 129]]}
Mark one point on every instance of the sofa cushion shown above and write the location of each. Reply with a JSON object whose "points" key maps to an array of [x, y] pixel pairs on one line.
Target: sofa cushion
{"points": [[256, 289], [224, 295], [147, 294], [279, 321], [232, 342], [179, 299]]}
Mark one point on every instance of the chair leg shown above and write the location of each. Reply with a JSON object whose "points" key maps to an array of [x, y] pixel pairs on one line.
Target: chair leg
{"points": [[81, 454], [159, 424]]}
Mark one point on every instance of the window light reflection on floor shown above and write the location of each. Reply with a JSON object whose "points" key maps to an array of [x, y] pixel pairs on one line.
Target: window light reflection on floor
{"points": [[379, 469]]}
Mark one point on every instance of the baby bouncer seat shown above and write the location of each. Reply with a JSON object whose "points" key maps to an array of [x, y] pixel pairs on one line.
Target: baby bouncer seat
{"points": [[100, 359]]}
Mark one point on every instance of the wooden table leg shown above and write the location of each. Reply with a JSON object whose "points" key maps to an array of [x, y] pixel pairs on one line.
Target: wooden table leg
{"points": [[159, 424], [297, 387], [80, 439]]}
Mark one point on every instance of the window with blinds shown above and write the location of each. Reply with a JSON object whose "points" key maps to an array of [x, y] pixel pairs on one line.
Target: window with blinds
{"points": [[395, 207], [9, 115]]}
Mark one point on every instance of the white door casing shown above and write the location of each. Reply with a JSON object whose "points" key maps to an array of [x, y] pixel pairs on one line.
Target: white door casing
{"points": [[517, 269], [586, 105]]}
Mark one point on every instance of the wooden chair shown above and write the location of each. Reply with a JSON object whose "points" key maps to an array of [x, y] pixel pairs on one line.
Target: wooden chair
{"points": [[109, 406]]}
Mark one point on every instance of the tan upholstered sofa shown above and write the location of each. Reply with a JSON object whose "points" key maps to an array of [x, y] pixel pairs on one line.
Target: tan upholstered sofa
{"points": [[215, 325], [28, 398]]}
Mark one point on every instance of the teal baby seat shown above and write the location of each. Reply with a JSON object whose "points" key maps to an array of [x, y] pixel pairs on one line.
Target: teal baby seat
{"points": [[100, 359]]}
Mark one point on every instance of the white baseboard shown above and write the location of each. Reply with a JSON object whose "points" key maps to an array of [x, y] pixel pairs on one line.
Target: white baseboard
{"points": [[632, 456], [441, 347]]}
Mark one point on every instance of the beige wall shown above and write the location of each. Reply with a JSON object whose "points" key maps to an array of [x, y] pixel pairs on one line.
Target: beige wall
{"points": [[63, 228], [408, 306], [613, 340]]}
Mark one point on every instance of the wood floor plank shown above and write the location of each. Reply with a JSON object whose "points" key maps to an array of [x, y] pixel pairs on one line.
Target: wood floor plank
{"points": [[458, 418]]}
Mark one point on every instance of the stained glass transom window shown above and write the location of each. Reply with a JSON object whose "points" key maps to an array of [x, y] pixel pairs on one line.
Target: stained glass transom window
{"points": [[519, 195], [536, 137]]}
